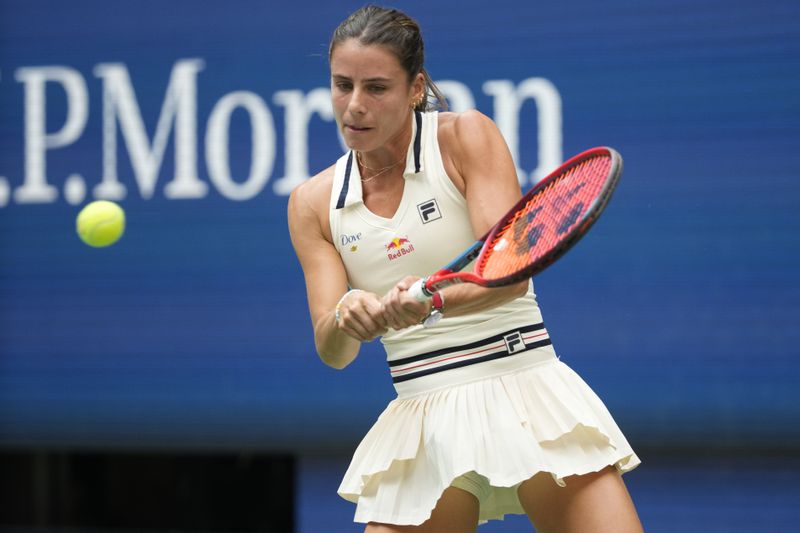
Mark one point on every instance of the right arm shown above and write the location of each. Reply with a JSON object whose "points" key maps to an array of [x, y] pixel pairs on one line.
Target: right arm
{"points": [[326, 280]]}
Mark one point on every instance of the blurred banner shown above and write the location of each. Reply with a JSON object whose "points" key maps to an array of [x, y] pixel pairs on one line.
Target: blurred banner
{"points": [[679, 308]]}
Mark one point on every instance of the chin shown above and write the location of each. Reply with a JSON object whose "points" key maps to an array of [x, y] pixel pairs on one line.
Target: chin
{"points": [[359, 145]]}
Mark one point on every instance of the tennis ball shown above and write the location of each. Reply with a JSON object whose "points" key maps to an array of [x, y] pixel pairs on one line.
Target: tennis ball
{"points": [[100, 223]]}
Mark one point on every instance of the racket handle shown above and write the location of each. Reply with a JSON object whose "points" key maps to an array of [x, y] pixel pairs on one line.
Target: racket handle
{"points": [[418, 291]]}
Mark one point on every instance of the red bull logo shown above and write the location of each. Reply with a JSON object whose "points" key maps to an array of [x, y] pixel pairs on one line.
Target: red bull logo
{"points": [[398, 247]]}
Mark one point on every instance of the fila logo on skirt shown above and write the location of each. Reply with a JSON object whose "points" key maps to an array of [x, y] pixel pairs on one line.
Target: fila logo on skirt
{"points": [[497, 346]]}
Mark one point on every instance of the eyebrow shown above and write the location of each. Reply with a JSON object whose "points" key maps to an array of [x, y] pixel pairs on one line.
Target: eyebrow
{"points": [[368, 80]]}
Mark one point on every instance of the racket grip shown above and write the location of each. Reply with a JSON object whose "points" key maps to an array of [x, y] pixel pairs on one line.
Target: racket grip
{"points": [[418, 292]]}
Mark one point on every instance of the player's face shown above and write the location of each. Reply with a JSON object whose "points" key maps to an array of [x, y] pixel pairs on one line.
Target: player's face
{"points": [[371, 94]]}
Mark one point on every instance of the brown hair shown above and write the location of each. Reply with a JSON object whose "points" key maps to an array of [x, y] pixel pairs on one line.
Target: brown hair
{"points": [[400, 34]]}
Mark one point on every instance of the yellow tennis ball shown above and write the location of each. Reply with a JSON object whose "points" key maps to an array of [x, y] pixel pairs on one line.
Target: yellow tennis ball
{"points": [[100, 223]]}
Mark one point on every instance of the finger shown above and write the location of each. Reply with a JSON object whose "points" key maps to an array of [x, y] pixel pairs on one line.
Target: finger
{"points": [[352, 327], [407, 318], [393, 318], [377, 314], [362, 331], [406, 283], [397, 315], [391, 303], [391, 297], [363, 320], [414, 308]]}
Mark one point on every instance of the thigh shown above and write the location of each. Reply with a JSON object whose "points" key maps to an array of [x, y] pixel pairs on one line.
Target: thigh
{"points": [[455, 512], [597, 502]]}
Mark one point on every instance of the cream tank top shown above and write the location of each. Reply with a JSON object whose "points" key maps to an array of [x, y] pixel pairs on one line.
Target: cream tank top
{"points": [[429, 229]]}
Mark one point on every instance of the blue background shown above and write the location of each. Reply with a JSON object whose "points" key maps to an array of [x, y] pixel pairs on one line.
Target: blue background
{"points": [[680, 308]]}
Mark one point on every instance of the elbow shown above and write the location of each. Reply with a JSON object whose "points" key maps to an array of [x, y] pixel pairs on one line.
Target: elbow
{"points": [[337, 358], [333, 361], [520, 289], [335, 349], [512, 292]]}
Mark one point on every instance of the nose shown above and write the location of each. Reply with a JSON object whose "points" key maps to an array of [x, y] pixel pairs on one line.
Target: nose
{"points": [[355, 105]]}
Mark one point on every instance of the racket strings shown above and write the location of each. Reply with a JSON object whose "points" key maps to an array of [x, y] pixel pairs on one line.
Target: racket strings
{"points": [[547, 219]]}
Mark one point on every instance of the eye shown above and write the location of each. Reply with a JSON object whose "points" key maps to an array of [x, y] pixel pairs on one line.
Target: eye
{"points": [[343, 85], [377, 88]]}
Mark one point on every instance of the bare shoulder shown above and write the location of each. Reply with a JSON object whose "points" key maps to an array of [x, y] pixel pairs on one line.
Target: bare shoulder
{"points": [[461, 126], [479, 163], [466, 134], [468, 141], [470, 117], [315, 191], [309, 201]]}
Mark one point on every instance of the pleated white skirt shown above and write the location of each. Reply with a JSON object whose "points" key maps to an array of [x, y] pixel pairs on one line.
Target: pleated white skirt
{"points": [[506, 428]]}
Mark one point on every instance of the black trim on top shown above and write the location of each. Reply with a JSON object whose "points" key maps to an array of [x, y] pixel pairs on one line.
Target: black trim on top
{"points": [[417, 141], [346, 182], [349, 168]]}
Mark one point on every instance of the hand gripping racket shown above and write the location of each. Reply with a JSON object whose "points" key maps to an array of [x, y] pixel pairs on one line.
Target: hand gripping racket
{"points": [[539, 229]]}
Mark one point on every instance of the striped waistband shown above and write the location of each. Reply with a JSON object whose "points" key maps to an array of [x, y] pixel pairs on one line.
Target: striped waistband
{"points": [[500, 346]]}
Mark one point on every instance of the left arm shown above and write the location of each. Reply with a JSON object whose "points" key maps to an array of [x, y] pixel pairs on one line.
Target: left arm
{"points": [[479, 163]]}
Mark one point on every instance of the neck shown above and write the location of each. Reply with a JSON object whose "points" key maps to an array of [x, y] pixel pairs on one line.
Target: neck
{"points": [[394, 150]]}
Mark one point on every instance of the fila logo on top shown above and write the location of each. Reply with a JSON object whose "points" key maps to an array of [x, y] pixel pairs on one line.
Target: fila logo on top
{"points": [[429, 211], [514, 342]]}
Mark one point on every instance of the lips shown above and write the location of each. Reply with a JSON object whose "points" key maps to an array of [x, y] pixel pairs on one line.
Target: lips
{"points": [[356, 129]]}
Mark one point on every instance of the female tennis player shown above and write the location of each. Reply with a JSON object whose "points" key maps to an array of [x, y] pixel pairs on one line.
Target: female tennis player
{"points": [[487, 420]]}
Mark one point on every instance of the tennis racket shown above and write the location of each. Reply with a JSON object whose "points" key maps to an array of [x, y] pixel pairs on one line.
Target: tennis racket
{"points": [[539, 229]]}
